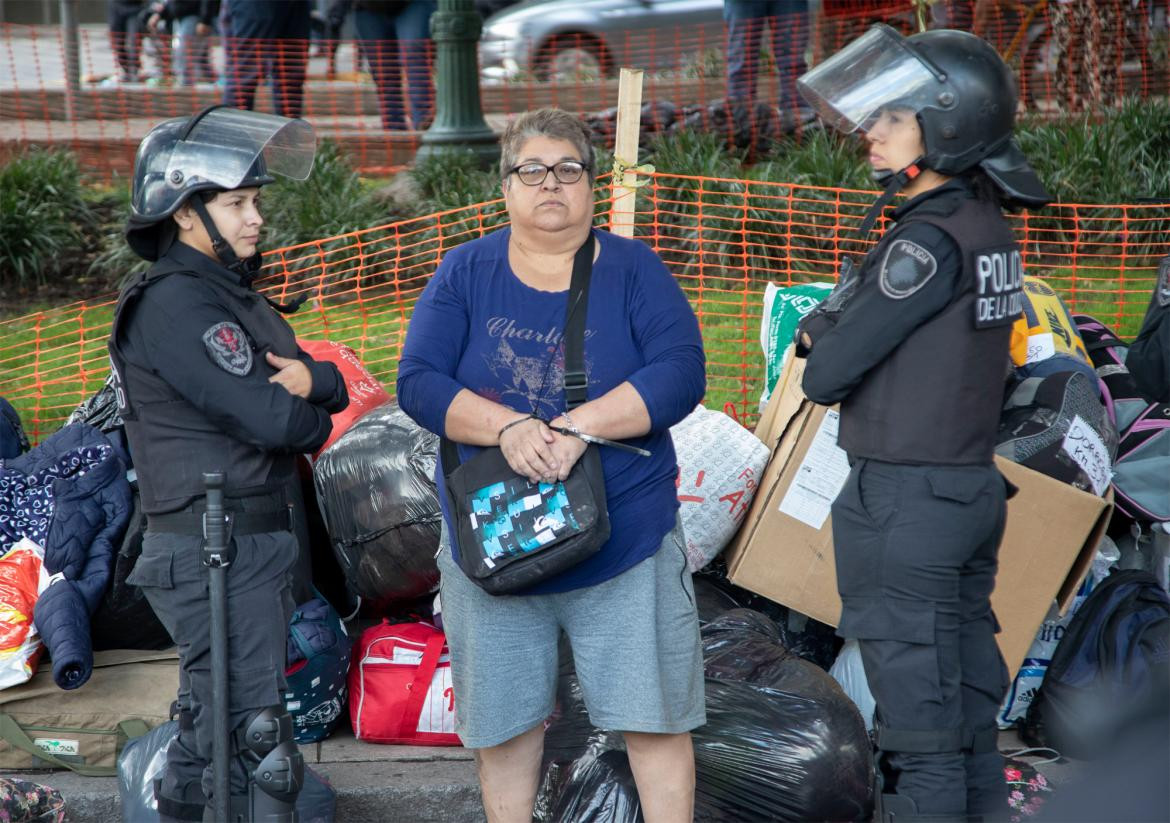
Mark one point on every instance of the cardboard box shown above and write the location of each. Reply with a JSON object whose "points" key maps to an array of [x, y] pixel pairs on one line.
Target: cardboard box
{"points": [[784, 549]]}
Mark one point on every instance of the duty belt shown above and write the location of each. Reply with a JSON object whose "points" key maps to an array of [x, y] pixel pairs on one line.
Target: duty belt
{"points": [[239, 522]]}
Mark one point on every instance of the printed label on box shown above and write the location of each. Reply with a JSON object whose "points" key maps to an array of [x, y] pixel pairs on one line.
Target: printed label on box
{"points": [[820, 477]]}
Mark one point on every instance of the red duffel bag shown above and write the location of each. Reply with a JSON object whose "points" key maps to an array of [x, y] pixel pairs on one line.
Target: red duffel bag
{"points": [[400, 686], [365, 392]]}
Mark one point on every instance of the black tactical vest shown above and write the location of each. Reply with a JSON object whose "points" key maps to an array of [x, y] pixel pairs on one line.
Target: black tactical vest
{"points": [[172, 443], [937, 397]]}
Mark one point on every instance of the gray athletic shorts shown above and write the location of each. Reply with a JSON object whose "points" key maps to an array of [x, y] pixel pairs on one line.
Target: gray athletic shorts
{"points": [[635, 641]]}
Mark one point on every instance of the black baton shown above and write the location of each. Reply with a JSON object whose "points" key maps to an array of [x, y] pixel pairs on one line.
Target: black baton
{"points": [[216, 536]]}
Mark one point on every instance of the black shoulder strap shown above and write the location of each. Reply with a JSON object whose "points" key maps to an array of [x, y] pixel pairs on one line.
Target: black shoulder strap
{"points": [[576, 382]]}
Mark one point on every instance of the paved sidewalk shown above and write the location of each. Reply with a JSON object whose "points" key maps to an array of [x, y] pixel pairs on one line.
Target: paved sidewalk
{"points": [[374, 784]]}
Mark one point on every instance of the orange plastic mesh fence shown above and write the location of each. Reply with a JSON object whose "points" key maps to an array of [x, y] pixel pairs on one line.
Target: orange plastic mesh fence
{"points": [[332, 83], [723, 239]]}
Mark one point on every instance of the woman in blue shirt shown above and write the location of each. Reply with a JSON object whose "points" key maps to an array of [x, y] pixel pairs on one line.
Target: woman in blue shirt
{"points": [[483, 354]]}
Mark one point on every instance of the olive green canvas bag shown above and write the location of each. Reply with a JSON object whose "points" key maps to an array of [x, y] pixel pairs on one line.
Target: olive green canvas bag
{"points": [[44, 727]]}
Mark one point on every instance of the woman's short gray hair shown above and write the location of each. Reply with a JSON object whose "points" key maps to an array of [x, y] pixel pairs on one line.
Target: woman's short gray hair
{"points": [[555, 123]]}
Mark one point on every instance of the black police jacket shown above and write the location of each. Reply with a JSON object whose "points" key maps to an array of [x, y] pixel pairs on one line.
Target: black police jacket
{"points": [[919, 355], [187, 351], [1149, 355]]}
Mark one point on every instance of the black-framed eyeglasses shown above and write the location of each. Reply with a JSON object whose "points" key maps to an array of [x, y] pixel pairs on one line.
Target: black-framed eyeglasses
{"points": [[533, 174]]}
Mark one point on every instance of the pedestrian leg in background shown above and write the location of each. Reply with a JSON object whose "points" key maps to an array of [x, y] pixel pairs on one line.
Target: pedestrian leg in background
{"points": [[125, 37], [377, 38], [291, 59], [790, 31], [745, 23], [414, 38], [246, 62]]}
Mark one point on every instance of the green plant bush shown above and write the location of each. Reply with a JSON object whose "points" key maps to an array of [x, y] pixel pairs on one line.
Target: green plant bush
{"points": [[43, 216]]}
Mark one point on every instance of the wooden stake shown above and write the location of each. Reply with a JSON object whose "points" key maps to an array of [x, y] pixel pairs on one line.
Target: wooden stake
{"points": [[625, 150]]}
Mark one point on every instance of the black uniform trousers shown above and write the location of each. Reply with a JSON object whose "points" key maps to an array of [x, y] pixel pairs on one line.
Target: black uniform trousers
{"points": [[260, 605], [916, 550]]}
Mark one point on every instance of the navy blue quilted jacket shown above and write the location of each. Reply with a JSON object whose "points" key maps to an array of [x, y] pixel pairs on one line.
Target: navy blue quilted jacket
{"points": [[70, 495]]}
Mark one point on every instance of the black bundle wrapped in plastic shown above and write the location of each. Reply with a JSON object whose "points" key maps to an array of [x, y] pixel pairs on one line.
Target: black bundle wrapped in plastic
{"points": [[599, 788], [810, 639], [782, 741], [99, 411], [124, 618], [381, 508]]}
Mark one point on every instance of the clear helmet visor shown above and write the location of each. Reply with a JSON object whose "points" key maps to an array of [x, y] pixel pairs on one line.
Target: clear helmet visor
{"points": [[874, 72], [223, 146]]}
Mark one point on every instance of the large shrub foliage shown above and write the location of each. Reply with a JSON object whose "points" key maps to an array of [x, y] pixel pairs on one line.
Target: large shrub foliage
{"points": [[43, 216]]}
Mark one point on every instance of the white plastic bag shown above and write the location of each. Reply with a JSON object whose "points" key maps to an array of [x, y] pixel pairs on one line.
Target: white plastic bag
{"points": [[848, 670], [719, 468]]}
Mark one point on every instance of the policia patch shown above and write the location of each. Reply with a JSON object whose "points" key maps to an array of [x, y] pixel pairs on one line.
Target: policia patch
{"points": [[999, 281], [229, 348], [906, 268]]}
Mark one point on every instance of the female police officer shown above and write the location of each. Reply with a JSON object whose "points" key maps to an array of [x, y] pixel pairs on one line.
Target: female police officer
{"points": [[209, 378], [914, 346]]}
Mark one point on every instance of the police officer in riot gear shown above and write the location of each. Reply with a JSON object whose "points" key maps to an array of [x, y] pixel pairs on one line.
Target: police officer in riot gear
{"points": [[210, 378], [913, 343]]}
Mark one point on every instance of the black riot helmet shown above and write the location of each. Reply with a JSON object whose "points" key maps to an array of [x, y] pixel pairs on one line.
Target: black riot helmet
{"points": [[218, 149], [962, 93]]}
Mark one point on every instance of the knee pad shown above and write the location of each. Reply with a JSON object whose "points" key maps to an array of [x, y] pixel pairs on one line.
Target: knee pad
{"points": [[277, 769]]}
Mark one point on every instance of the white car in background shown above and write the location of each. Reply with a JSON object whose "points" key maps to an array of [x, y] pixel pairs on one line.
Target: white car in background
{"points": [[590, 39]]}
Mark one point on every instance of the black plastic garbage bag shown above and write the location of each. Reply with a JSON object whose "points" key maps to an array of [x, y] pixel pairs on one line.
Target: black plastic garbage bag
{"points": [[782, 741], [711, 600], [100, 410], [380, 506], [768, 754], [810, 639], [599, 788], [143, 759], [124, 618]]}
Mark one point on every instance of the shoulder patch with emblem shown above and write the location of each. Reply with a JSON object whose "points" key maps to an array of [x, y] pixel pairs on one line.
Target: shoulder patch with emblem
{"points": [[229, 348], [1163, 289], [906, 268]]}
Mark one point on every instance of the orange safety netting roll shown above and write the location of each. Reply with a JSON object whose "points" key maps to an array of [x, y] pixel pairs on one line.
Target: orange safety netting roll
{"points": [[373, 97], [723, 239]]}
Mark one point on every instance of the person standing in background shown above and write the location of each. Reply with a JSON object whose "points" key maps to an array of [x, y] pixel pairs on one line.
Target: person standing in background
{"points": [[193, 23], [268, 38], [125, 18], [788, 24], [395, 38]]}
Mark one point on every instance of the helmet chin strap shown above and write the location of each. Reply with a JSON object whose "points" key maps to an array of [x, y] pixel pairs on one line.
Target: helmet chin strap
{"points": [[246, 269], [895, 182]]}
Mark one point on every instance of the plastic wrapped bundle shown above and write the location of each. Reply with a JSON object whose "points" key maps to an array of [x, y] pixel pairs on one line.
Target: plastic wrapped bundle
{"points": [[124, 619], [380, 506], [809, 639], [599, 788], [100, 410], [143, 760], [782, 741]]}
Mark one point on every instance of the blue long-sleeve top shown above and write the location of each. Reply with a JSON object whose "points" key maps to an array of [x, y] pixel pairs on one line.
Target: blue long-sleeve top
{"points": [[477, 326]]}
